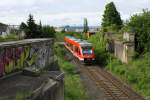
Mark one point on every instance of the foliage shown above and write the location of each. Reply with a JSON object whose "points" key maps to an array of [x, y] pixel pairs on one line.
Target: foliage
{"points": [[59, 36], [111, 18], [63, 30], [139, 24], [34, 30], [136, 73], [19, 96], [86, 28], [23, 26], [48, 31], [11, 37], [31, 31], [99, 44], [2, 24], [73, 87]]}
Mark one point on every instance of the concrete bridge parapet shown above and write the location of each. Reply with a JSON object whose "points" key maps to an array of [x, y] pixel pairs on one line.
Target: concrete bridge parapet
{"points": [[26, 55], [16, 55]]}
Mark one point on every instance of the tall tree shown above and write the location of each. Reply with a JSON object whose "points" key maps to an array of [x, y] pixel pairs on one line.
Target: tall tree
{"points": [[40, 25], [111, 17], [2, 24], [48, 32], [32, 28], [86, 28], [23, 26], [39, 30]]}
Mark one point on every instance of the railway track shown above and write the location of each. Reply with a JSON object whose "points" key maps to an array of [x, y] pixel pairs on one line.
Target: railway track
{"points": [[113, 88]]}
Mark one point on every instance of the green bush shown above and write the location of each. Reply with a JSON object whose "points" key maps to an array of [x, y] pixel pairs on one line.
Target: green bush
{"points": [[139, 24], [73, 87], [136, 73], [99, 44], [48, 32]]}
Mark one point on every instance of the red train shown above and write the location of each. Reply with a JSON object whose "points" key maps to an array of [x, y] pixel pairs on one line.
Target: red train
{"points": [[80, 49]]}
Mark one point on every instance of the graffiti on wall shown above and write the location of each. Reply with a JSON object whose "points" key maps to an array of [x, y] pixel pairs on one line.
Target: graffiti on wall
{"points": [[16, 58]]}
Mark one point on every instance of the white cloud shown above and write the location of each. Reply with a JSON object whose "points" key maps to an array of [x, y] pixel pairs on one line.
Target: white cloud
{"points": [[62, 12], [71, 18], [16, 3], [49, 11]]}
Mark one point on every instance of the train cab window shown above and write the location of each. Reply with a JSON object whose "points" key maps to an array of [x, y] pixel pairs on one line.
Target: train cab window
{"points": [[87, 50]]}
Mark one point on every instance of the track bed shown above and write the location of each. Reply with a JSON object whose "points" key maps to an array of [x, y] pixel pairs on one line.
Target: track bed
{"points": [[102, 85]]}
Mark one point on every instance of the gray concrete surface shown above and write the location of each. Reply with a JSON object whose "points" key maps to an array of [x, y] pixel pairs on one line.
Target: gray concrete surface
{"points": [[48, 86]]}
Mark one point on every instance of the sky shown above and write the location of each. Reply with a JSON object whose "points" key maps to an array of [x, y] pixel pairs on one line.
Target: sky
{"points": [[65, 12]]}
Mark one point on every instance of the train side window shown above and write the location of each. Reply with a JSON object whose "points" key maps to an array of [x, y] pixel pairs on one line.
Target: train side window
{"points": [[71, 47], [79, 52], [76, 50]]}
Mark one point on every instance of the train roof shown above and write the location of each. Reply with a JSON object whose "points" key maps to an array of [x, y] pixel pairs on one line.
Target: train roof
{"points": [[83, 43]]}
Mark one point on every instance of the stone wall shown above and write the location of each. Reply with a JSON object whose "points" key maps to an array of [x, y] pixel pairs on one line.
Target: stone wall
{"points": [[119, 50], [123, 48], [52, 89], [128, 37], [48, 86], [17, 55], [124, 51]]}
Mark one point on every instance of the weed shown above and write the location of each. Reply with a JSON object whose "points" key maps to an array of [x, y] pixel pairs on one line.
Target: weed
{"points": [[136, 73], [73, 87]]}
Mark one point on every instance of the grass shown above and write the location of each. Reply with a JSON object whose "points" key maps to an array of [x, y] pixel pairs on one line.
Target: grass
{"points": [[19, 96], [136, 73], [11, 37], [74, 89]]}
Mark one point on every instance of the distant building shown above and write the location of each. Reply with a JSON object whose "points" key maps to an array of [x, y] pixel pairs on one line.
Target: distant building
{"points": [[94, 29], [4, 31], [76, 29], [59, 29], [80, 29]]}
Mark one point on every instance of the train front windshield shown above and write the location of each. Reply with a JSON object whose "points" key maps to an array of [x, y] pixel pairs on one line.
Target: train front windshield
{"points": [[87, 51]]}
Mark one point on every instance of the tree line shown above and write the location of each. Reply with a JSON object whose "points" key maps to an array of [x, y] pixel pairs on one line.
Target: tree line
{"points": [[33, 30], [138, 24]]}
